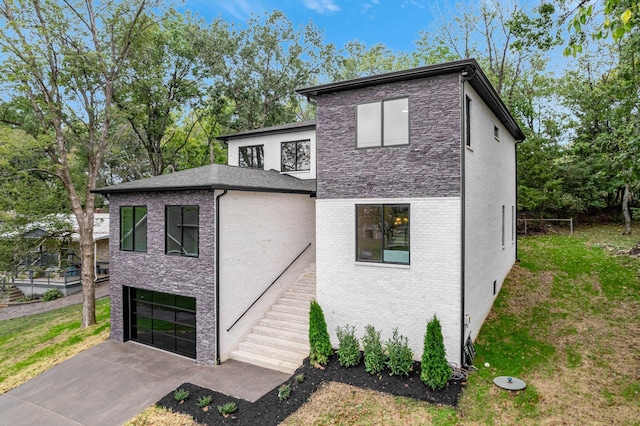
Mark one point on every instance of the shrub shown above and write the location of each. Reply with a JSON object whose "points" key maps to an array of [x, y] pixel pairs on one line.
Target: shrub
{"points": [[181, 395], [319, 343], [349, 353], [284, 391], [204, 401], [400, 360], [435, 371], [300, 378], [52, 294], [374, 357], [227, 409]]}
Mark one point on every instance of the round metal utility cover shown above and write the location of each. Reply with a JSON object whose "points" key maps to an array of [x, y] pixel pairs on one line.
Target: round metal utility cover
{"points": [[509, 383]]}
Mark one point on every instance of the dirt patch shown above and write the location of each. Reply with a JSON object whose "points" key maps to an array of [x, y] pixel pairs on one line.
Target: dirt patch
{"points": [[268, 410]]}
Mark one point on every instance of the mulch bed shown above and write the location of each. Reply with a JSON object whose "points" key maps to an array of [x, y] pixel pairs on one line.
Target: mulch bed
{"points": [[268, 410]]}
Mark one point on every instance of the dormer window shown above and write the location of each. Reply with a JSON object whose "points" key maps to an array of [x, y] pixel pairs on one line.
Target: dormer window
{"points": [[251, 156], [383, 123]]}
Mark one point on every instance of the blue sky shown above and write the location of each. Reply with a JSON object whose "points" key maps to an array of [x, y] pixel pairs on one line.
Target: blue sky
{"points": [[395, 23]]}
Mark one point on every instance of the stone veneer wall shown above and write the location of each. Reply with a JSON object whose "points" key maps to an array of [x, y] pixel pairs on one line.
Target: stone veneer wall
{"points": [[153, 270], [428, 167]]}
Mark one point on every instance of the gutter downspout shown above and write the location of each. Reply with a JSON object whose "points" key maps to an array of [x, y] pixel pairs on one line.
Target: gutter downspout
{"points": [[217, 231], [463, 148]]}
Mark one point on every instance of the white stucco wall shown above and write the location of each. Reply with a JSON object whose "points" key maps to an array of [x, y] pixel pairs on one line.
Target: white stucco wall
{"points": [[272, 154], [389, 296], [489, 185], [260, 234]]}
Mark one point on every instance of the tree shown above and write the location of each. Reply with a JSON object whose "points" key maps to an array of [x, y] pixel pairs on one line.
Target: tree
{"points": [[435, 370], [64, 58]]}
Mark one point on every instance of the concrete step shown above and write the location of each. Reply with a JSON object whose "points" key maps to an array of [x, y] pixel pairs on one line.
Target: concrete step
{"points": [[307, 297], [281, 334], [293, 301], [276, 342], [272, 352], [290, 309], [285, 325], [266, 362], [286, 316]]}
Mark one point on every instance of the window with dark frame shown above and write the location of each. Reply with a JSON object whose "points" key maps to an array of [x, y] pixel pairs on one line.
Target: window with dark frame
{"points": [[181, 234], [467, 117], [251, 156], [503, 226], [295, 156], [133, 228], [496, 133], [382, 233], [384, 123]]}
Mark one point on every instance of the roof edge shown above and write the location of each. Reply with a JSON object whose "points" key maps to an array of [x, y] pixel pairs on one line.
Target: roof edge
{"points": [[268, 130], [202, 188]]}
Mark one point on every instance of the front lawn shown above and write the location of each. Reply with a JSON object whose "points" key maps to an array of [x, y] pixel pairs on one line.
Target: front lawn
{"points": [[33, 344]]}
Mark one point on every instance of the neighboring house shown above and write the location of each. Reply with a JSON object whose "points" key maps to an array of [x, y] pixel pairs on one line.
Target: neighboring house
{"points": [[414, 215]]}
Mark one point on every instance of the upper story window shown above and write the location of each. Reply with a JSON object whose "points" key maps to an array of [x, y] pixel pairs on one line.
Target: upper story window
{"points": [[467, 120], [133, 228], [296, 156], [382, 233], [383, 123], [251, 156], [181, 236]]}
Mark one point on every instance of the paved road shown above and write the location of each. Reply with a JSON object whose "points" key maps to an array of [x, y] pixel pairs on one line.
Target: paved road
{"points": [[24, 309], [113, 382]]}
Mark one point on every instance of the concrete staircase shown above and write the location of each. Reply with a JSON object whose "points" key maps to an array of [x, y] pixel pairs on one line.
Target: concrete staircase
{"points": [[280, 340], [11, 294]]}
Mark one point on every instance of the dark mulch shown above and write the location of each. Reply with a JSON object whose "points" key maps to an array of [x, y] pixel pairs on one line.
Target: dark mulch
{"points": [[268, 410]]}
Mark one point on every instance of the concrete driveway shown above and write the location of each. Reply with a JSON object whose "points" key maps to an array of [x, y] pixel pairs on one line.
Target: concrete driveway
{"points": [[113, 382]]}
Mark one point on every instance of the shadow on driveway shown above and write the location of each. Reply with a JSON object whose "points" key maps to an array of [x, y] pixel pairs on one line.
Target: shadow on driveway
{"points": [[113, 382]]}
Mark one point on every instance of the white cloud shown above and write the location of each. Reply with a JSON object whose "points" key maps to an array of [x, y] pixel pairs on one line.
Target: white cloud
{"points": [[322, 6], [241, 9]]}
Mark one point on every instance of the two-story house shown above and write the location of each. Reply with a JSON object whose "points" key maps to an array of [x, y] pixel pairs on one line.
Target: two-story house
{"points": [[398, 203]]}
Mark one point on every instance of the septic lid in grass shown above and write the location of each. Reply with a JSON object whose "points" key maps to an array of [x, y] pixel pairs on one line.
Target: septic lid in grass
{"points": [[509, 383]]}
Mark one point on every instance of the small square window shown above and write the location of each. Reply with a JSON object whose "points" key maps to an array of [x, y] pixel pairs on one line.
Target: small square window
{"points": [[384, 123], [496, 133], [251, 156], [382, 233], [296, 156], [182, 228]]}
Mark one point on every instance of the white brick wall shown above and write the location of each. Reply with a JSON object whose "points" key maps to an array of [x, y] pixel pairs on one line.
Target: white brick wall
{"points": [[260, 234], [272, 155], [489, 185], [389, 296]]}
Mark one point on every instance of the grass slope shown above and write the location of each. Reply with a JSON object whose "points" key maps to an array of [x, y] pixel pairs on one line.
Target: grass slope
{"points": [[33, 344]]}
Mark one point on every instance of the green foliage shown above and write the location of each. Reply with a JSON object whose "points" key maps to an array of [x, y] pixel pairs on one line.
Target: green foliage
{"points": [[51, 294], [299, 378], [227, 409], [400, 356], [349, 354], [204, 401], [435, 369], [284, 392], [375, 359], [319, 341], [181, 394]]}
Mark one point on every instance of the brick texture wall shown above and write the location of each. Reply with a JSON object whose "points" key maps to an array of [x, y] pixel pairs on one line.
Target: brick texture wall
{"points": [[153, 270], [428, 167]]}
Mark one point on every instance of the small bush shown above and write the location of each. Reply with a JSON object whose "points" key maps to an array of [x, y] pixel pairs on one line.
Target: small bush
{"points": [[400, 360], [181, 395], [204, 401], [284, 392], [349, 354], [52, 294], [435, 370], [227, 409], [374, 358], [300, 378], [319, 343]]}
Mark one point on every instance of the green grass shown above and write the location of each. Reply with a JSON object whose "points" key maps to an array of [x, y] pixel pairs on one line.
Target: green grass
{"points": [[31, 345]]}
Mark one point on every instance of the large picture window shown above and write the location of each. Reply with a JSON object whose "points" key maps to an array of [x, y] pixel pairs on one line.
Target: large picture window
{"points": [[382, 233], [181, 237], [251, 156], [133, 228], [383, 123], [296, 156]]}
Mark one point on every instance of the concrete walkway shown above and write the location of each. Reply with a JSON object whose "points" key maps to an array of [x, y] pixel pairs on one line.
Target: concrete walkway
{"points": [[113, 382], [24, 309]]}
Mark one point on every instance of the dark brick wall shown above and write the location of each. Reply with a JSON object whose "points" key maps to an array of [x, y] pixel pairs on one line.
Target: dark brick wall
{"points": [[153, 270], [428, 167]]}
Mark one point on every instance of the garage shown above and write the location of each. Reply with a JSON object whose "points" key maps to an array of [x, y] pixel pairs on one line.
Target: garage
{"points": [[162, 320]]}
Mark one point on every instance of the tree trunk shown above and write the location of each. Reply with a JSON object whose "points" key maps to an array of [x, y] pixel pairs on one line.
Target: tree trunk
{"points": [[625, 210], [87, 252]]}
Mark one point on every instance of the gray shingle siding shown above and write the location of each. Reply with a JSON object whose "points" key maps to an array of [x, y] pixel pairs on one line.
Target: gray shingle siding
{"points": [[153, 270], [428, 167]]}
